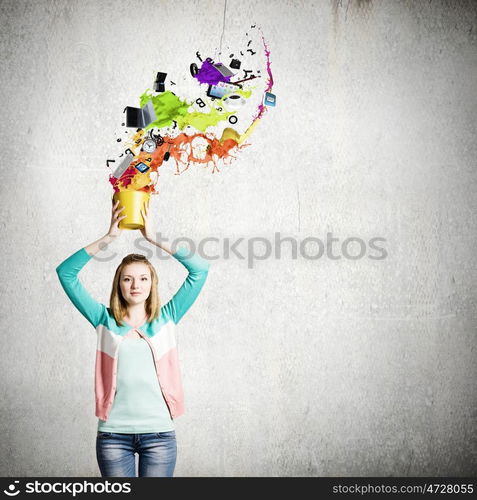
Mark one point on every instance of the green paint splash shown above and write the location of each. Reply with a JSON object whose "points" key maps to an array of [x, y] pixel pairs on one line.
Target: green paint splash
{"points": [[201, 121], [170, 108]]}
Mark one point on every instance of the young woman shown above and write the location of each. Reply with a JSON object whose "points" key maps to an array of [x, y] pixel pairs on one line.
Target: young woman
{"points": [[138, 385]]}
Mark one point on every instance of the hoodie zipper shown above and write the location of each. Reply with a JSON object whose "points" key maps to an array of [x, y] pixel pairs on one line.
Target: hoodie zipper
{"points": [[155, 365]]}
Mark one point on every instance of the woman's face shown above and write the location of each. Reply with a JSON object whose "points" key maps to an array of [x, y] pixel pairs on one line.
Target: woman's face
{"points": [[135, 283]]}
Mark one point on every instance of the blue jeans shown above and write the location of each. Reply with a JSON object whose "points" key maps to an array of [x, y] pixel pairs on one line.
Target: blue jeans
{"points": [[116, 454]]}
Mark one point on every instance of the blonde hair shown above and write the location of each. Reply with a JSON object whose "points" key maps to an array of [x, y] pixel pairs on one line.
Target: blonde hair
{"points": [[117, 304]]}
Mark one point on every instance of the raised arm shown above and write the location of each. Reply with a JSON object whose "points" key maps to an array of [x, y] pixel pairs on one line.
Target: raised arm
{"points": [[198, 269], [69, 269], [184, 298]]}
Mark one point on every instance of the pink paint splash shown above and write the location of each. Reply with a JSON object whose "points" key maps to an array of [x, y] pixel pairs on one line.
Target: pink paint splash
{"points": [[262, 108]]}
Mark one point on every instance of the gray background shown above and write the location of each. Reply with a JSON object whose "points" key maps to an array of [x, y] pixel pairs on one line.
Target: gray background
{"points": [[293, 366]]}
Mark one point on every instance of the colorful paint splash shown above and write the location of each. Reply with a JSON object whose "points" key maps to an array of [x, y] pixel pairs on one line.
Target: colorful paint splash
{"points": [[170, 108], [209, 74], [261, 108], [198, 130]]}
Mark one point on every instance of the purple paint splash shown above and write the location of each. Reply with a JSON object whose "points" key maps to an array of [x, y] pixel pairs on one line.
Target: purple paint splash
{"points": [[209, 74]]}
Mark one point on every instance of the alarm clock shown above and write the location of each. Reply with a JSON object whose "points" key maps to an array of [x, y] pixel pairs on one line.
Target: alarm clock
{"points": [[149, 146]]}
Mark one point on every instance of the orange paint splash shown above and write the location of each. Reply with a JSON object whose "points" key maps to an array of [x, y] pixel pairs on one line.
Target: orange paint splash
{"points": [[181, 150]]}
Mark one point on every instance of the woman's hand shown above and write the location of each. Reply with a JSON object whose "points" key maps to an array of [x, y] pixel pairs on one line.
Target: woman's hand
{"points": [[147, 231], [116, 218]]}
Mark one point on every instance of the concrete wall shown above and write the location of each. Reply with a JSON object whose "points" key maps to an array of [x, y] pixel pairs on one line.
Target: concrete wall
{"points": [[291, 366]]}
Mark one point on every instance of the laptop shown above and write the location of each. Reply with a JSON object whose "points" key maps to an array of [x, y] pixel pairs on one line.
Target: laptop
{"points": [[140, 117]]}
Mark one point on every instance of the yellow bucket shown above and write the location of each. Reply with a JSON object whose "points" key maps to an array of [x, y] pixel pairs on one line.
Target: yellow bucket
{"points": [[133, 202], [229, 133]]}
